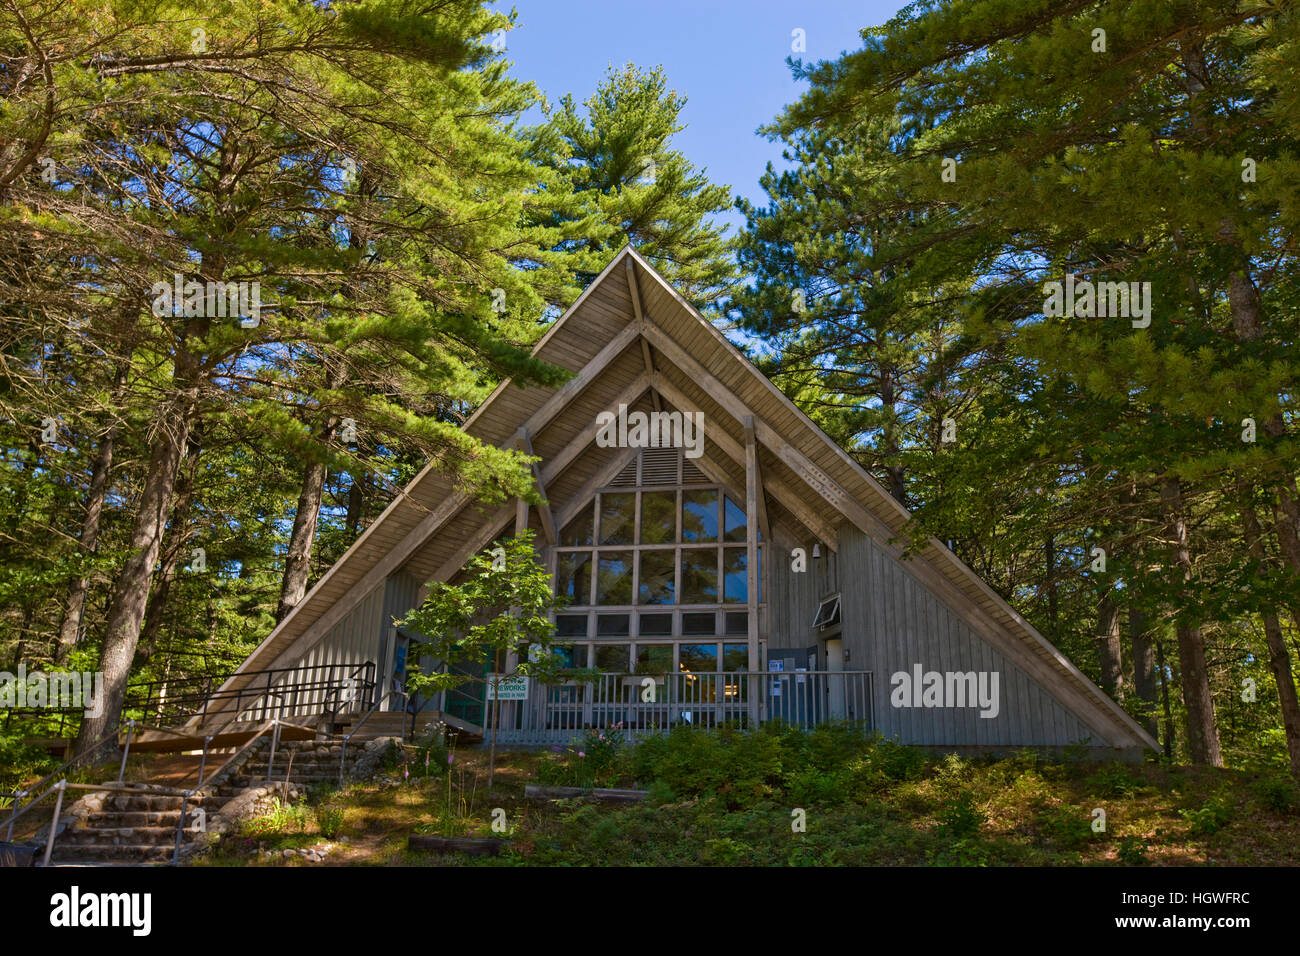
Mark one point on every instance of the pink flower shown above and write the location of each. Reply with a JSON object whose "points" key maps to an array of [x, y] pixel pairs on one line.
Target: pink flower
{"points": [[581, 754]]}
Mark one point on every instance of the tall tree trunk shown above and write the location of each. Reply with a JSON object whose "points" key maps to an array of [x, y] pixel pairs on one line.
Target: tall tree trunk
{"points": [[1144, 669], [175, 538], [1202, 736], [297, 563], [131, 589], [1108, 646], [1278, 657], [70, 626], [356, 506], [1164, 693]]}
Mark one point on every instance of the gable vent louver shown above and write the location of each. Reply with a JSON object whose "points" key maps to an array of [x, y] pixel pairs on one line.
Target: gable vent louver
{"points": [[626, 477], [659, 466], [691, 474]]}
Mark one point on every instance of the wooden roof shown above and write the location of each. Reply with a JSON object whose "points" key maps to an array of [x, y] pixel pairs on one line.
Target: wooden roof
{"points": [[628, 336]]}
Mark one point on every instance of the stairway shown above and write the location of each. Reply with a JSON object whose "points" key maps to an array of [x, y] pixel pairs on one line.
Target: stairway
{"points": [[136, 823], [312, 763], [135, 826]]}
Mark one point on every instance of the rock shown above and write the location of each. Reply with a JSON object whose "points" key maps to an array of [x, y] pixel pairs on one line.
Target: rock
{"points": [[286, 853]]}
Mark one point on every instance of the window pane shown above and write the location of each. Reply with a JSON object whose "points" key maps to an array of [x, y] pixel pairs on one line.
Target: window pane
{"points": [[697, 658], [654, 658], [612, 658], [657, 571], [737, 623], [577, 532], [735, 562], [699, 575], [570, 655], [735, 657], [700, 623], [699, 516], [658, 517], [614, 578], [613, 625], [571, 625], [660, 625], [735, 522], [617, 518], [573, 577]]}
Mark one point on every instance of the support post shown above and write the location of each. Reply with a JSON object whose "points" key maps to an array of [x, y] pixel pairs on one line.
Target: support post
{"points": [[54, 823]]}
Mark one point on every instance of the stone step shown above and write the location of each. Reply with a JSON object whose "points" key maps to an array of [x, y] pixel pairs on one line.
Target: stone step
{"points": [[114, 853], [120, 836], [133, 818]]}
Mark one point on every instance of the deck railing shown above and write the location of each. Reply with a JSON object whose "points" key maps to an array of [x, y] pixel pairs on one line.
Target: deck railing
{"points": [[641, 704]]}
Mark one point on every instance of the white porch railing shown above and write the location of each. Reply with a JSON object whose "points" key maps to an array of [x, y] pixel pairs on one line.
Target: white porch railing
{"points": [[641, 704]]}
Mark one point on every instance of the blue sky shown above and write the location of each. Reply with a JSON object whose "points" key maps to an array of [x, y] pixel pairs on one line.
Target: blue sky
{"points": [[726, 56]]}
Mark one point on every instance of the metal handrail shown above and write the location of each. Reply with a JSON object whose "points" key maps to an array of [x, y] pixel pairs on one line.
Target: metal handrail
{"points": [[343, 752], [17, 794]]}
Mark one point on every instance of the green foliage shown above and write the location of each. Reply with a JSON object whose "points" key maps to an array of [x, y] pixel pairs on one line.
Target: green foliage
{"points": [[960, 817], [1065, 826], [1209, 818], [501, 606], [1112, 780], [329, 820], [1278, 793], [1132, 851]]}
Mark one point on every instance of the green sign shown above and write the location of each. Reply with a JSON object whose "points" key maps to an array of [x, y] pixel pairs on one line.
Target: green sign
{"points": [[507, 688]]}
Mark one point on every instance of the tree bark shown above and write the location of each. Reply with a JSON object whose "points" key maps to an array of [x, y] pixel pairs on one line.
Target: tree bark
{"points": [[297, 563], [1144, 669], [1108, 646], [131, 590], [1278, 657], [1202, 736], [70, 626]]}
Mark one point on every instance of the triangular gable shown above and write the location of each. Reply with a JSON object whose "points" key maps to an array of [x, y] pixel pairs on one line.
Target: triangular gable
{"points": [[631, 338]]}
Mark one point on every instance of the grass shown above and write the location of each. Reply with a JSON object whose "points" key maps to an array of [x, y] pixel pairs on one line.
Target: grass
{"points": [[826, 798]]}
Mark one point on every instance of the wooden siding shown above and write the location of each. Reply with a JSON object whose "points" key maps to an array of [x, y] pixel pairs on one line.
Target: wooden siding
{"points": [[892, 622]]}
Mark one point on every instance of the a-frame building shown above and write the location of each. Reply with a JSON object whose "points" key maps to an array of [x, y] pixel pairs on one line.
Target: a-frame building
{"points": [[751, 576]]}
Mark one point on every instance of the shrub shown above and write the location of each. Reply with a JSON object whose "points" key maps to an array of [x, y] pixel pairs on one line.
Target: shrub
{"points": [[1132, 851], [1112, 781], [959, 817], [1278, 793], [1066, 826], [329, 820], [1209, 818]]}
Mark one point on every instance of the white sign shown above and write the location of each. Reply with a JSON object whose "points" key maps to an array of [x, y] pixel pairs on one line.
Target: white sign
{"points": [[507, 688]]}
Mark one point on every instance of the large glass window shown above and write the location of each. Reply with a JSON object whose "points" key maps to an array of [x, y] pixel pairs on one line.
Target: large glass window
{"points": [[577, 533], [657, 577], [655, 549], [611, 658], [654, 658], [699, 516], [699, 576], [697, 658], [735, 577], [734, 521], [573, 577], [614, 577], [658, 517], [617, 518]]}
